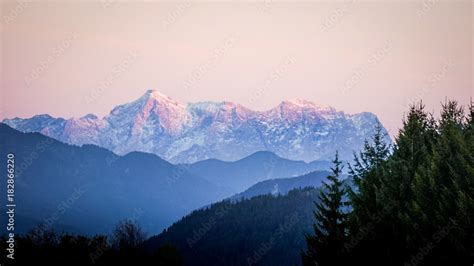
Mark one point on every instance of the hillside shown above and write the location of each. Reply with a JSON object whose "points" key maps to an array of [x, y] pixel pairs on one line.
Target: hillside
{"points": [[283, 185], [264, 230], [260, 166]]}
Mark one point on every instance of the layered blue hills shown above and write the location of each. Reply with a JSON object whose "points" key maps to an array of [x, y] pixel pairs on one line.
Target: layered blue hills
{"points": [[88, 189]]}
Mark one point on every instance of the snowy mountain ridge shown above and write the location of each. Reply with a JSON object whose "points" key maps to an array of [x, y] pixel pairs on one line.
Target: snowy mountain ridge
{"points": [[185, 133]]}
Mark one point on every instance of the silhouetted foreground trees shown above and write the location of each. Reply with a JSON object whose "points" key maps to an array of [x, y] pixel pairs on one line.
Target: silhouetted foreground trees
{"points": [[326, 246], [263, 230], [411, 205], [44, 246]]}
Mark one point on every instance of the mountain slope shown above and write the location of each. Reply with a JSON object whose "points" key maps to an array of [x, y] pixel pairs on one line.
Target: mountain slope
{"points": [[186, 133], [240, 175], [270, 233], [88, 189], [282, 186]]}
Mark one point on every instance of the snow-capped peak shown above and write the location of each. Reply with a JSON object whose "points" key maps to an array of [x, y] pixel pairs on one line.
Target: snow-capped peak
{"points": [[300, 103], [154, 95]]}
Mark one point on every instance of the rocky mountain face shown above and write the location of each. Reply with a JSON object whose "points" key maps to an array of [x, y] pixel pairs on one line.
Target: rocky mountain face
{"points": [[186, 133]]}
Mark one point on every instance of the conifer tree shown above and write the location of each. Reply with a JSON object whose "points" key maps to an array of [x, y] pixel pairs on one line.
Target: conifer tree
{"points": [[371, 157], [416, 202], [326, 246], [410, 161], [445, 191], [366, 173]]}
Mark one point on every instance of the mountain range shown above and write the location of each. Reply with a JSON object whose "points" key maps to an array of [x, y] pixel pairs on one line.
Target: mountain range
{"points": [[187, 133], [87, 189]]}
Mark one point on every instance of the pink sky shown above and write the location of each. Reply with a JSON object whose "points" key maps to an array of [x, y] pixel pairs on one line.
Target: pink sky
{"points": [[70, 59]]}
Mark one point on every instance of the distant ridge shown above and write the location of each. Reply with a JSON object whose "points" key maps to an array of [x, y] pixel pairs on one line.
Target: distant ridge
{"points": [[281, 186], [137, 186], [259, 166]]}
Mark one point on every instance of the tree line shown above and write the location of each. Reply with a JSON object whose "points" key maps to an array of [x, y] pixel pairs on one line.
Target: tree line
{"points": [[410, 203], [122, 247]]}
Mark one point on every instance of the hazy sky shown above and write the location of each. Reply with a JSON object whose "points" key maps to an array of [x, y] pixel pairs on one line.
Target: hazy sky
{"points": [[70, 59]]}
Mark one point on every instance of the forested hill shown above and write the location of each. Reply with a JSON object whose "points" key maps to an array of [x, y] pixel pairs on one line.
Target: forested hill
{"points": [[264, 230], [284, 185]]}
